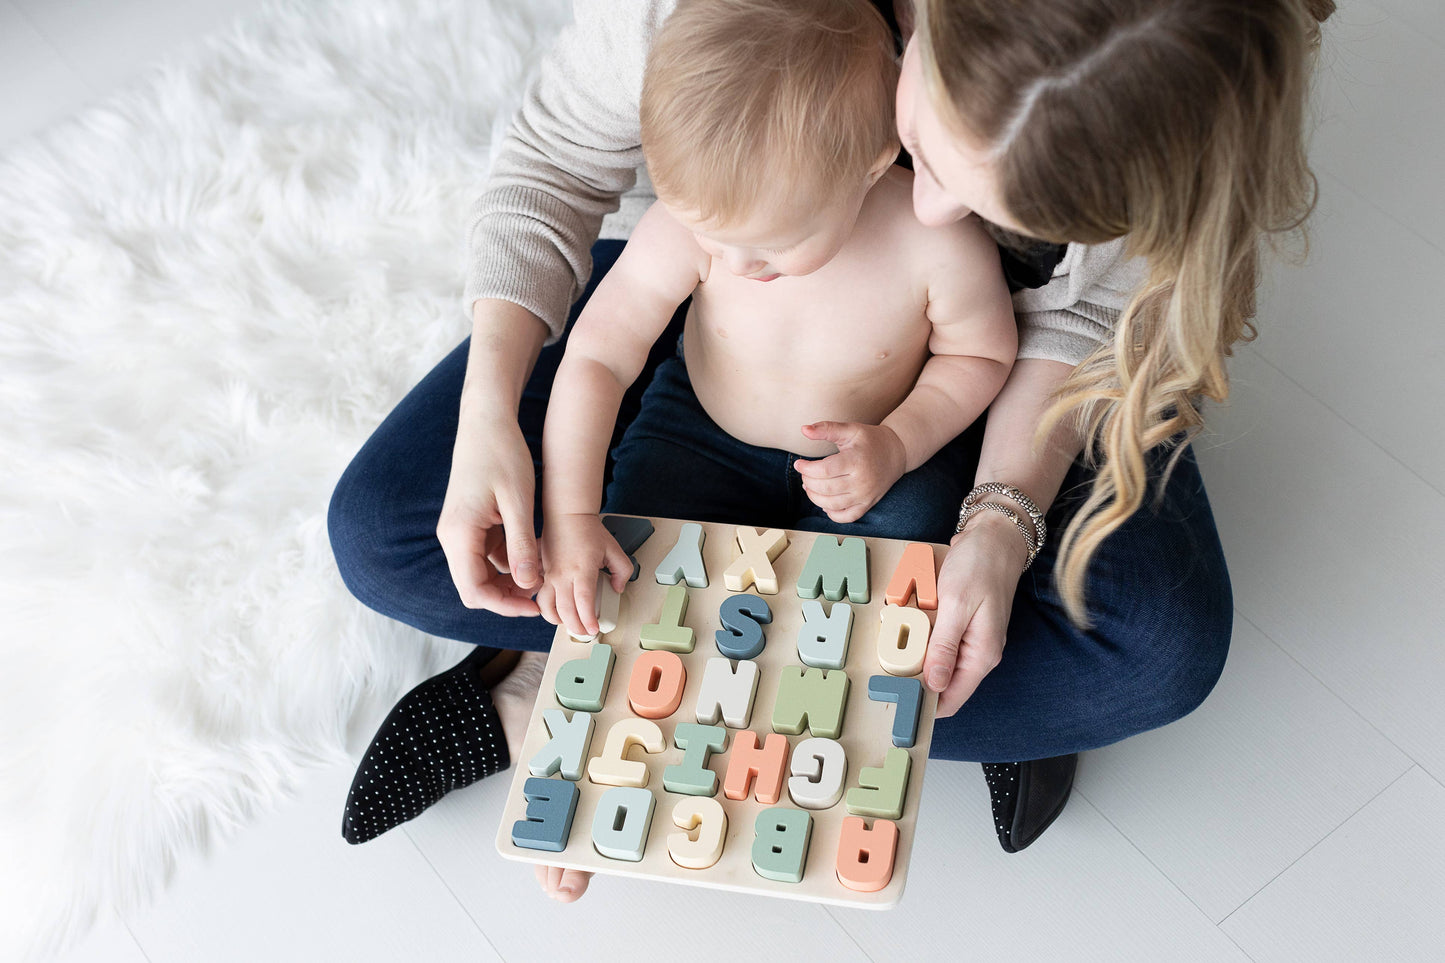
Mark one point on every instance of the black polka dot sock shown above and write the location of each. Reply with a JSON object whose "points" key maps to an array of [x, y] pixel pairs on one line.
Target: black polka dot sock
{"points": [[443, 735], [1028, 796], [1003, 793]]}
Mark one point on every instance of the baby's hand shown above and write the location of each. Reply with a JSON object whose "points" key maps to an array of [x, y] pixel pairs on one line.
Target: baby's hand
{"points": [[574, 549], [870, 459]]}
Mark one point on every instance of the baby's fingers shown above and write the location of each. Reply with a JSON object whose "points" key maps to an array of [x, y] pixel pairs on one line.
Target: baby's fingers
{"points": [[830, 467]]}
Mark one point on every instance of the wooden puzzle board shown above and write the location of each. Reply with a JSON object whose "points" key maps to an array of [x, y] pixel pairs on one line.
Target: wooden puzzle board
{"points": [[866, 733]]}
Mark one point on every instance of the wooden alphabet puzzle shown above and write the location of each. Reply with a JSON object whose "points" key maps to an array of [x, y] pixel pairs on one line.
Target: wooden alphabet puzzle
{"points": [[750, 718]]}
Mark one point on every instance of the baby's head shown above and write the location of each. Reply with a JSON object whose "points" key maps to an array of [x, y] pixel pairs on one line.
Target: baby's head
{"points": [[765, 124]]}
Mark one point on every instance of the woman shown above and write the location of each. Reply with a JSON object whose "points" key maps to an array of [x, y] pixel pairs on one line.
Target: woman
{"points": [[1130, 156]]}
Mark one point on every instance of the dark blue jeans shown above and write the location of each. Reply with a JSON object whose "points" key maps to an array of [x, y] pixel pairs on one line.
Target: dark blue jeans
{"points": [[1158, 589]]}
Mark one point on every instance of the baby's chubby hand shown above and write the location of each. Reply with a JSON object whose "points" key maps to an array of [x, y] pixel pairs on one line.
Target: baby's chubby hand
{"points": [[574, 549], [870, 459]]}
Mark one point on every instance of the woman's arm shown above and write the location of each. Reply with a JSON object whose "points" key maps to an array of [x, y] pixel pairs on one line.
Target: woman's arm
{"points": [[981, 571]]}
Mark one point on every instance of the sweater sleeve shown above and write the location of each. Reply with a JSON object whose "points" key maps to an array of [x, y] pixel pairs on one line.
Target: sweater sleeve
{"points": [[572, 149], [1075, 312]]}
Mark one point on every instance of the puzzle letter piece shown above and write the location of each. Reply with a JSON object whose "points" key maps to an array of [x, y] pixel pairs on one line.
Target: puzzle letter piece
{"points": [[747, 762], [880, 792], [684, 561], [612, 767], [630, 531], [907, 695], [551, 804], [668, 632], [832, 568], [620, 825], [915, 577], [814, 700], [693, 777], [902, 639], [755, 565], [582, 683], [609, 603], [727, 693], [704, 848], [655, 689], [865, 856], [780, 848], [743, 618], [819, 768], [823, 639], [567, 746]]}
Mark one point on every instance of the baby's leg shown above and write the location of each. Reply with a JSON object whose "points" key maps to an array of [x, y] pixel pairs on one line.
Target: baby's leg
{"points": [[675, 462]]}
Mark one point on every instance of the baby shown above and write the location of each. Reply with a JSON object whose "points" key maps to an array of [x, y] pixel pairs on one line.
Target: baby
{"points": [[834, 348]]}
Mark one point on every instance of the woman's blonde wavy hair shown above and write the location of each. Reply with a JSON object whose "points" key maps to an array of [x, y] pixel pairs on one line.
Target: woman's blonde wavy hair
{"points": [[1177, 123]]}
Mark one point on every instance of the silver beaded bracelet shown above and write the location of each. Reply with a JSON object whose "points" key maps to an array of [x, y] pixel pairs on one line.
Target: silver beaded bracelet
{"points": [[973, 504]]}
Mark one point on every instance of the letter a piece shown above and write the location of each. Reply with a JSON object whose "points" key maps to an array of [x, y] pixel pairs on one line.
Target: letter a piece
{"points": [[755, 565], [865, 856], [743, 618], [684, 561], [703, 848], [780, 847], [655, 689], [832, 568], [668, 632], [902, 639], [693, 777], [613, 768], [819, 767], [880, 792], [567, 748], [727, 693], [915, 577], [551, 804], [620, 825], [747, 762], [907, 694], [582, 683], [812, 700], [823, 639]]}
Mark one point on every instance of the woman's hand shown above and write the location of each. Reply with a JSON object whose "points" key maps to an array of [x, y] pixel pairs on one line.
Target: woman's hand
{"points": [[574, 549], [976, 588], [870, 459], [485, 526]]}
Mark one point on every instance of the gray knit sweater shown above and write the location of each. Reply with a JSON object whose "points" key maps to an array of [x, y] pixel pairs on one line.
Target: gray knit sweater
{"points": [[574, 151]]}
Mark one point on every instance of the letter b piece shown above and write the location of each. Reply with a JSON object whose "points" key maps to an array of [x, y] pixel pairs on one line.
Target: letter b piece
{"points": [[780, 847]]}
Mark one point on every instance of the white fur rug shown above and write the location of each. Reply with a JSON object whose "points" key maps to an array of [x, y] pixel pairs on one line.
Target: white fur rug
{"points": [[212, 287]]}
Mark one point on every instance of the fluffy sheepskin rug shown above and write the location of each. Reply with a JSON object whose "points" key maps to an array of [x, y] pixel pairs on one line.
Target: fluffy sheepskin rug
{"points": [[212, 287]]}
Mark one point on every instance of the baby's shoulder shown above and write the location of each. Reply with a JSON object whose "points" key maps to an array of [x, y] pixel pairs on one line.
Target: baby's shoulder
{"points": [[959, 243]]}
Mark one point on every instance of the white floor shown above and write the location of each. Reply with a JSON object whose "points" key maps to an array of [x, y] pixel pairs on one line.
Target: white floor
{"points": [[1299, 815]]}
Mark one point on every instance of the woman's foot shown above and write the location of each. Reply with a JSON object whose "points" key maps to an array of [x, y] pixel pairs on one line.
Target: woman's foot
{"points": [[444, 734], [1028, 796], [514, 697]]}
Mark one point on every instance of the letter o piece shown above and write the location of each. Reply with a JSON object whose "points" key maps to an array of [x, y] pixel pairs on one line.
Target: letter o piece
{"points": [[710, 820], [819, 768], [902, 639], [865, 856], [612, 767], [620, 825], [655, 689]]}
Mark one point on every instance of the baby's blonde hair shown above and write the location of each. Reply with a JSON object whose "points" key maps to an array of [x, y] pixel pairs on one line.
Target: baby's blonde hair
{"points": [[1179, 123], [749, 104]]}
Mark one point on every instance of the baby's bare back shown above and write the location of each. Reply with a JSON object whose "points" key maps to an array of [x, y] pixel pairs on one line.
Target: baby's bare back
{"points": [[845, 343]]}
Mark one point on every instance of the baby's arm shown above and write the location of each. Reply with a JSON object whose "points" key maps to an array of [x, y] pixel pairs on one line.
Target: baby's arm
{"points": [[606, 351], [973, 344]]}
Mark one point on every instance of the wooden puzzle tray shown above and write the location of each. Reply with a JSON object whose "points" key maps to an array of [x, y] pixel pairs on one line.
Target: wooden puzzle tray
{"points": [[731, 729]]}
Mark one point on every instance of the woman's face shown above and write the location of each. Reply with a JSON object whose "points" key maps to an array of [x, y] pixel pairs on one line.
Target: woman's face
{"points": [[952, 177]]}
